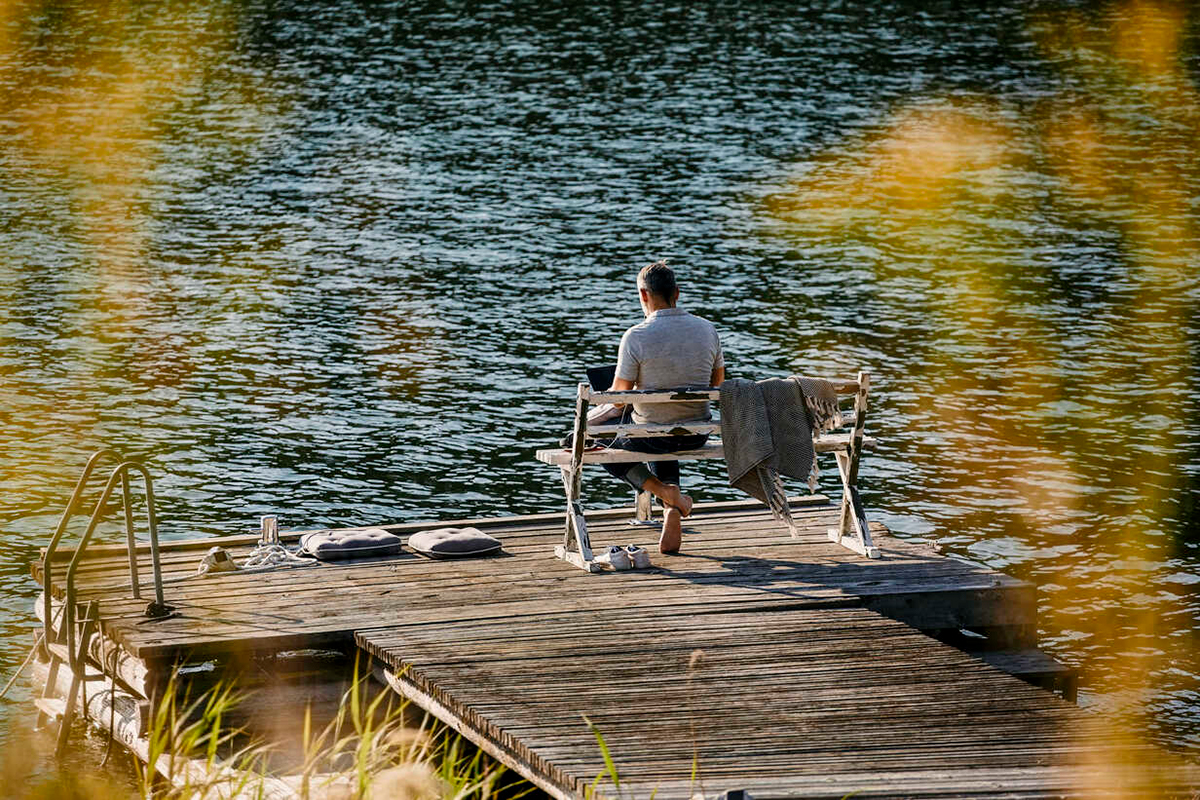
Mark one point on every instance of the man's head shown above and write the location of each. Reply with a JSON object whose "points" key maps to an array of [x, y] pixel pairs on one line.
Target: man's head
{"points": [[657, 287]]}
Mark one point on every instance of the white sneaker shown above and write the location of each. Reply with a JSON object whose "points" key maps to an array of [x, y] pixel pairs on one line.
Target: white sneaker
{"points": [[614, 557], [638, 556]]}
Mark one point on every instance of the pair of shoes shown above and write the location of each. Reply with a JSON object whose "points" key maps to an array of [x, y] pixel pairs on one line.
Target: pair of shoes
{"points": [[639, 556], [622, 558], [615, 557]]}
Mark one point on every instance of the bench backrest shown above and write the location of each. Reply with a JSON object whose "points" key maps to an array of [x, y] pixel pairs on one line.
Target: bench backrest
{"points": [[854, 417]]}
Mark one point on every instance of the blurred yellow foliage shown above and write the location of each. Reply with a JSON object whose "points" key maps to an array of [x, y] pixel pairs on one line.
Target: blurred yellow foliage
{"points": [[934, 200], [90, 122], [1147, 34]]}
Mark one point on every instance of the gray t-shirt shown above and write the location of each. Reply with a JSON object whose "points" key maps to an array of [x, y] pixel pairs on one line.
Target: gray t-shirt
{"points": [[671, 348]]}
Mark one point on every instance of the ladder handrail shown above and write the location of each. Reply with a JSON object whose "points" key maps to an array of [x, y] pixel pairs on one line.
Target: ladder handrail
{"points": [[48, 572], [158, 608]]}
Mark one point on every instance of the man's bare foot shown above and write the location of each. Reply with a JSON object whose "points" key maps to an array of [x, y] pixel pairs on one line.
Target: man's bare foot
{"points": [[672, 531], [672, 496]]}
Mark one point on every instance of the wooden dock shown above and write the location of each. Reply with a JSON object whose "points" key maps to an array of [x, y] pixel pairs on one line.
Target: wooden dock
{"points": [[751, 660]]}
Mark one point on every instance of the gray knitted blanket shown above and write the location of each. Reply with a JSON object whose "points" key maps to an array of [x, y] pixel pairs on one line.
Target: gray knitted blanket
{"points": [[767, 429]]}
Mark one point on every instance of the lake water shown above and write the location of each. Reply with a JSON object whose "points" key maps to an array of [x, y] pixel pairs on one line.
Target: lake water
{"points": [[344, 262]]}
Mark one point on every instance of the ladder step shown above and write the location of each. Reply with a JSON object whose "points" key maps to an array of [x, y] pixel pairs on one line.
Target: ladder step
{"points": [[53, 707], [59, 650], [63, 654]]}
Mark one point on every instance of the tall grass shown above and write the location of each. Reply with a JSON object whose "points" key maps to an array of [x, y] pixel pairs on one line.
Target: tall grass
{"points": [[375, 746]]}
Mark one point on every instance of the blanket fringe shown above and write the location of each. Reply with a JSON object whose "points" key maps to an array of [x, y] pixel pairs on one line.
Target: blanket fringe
{"points": [[825, 416], [776, 494]]}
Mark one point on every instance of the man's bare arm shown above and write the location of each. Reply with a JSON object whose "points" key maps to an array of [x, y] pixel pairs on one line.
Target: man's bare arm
{"points": [[620, 385], [718, 377]]}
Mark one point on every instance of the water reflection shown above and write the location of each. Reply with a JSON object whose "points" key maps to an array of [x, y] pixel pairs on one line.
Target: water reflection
{"points": [[344, 262]]}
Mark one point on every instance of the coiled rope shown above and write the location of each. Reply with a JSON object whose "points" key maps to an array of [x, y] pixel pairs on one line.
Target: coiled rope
{"points": [[264, 557], [269, 556]]}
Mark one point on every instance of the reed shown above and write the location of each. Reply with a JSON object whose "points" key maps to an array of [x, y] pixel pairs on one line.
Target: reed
{"points": [[374, 746]]}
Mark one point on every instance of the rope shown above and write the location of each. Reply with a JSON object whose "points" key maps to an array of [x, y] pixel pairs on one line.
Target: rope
{"points": [[269, 556], [264, 557], [24, 664], [36, 644]]}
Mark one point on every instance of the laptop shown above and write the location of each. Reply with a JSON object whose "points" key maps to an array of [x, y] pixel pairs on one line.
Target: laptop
{"points": [[601, 380]]}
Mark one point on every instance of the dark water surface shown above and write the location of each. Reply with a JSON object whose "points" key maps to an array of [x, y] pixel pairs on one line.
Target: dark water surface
{"points": [[344, 262]]}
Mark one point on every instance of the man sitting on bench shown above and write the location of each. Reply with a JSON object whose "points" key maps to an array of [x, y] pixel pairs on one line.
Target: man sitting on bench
{"points": [[670, 349]]}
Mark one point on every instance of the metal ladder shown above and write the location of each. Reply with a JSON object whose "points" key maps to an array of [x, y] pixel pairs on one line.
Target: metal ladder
{"points": [[70, 643]]}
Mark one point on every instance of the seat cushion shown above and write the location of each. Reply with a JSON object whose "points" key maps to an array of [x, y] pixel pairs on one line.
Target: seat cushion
{"points": [[454, 543], [361, 543]]}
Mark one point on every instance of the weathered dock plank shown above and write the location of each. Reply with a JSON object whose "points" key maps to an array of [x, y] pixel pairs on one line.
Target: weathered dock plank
{"points": [[783, 703]]}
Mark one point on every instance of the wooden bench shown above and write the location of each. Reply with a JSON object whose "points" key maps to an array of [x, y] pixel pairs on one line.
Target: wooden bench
{"points": [[852, 531]]}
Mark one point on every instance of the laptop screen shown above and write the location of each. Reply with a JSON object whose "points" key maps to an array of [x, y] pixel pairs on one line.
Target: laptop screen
{"points": [[601, 378]]}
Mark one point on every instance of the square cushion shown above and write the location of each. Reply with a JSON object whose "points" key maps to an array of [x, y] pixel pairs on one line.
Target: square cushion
{"points": [[454, 543], [362, 543]]}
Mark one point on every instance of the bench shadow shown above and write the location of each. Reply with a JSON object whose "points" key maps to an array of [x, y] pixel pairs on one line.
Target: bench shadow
{"points": [[793, 578]]}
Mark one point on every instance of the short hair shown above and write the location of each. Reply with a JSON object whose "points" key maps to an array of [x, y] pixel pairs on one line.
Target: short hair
{"points": [[658, 280]]}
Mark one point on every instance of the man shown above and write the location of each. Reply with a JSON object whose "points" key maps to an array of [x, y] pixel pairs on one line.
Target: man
{"points": [[671, 348]]}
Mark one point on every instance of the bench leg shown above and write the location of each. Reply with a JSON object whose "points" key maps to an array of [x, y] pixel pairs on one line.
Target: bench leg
{"points": [[644, 511], [852, 531], [576, 547]]}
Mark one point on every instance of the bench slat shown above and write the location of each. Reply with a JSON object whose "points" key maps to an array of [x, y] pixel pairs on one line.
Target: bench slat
{"points": [[828, 443], [562, 458], [613, 430], [653, 429]]}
